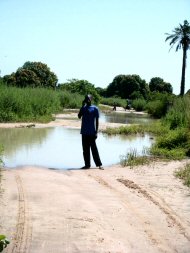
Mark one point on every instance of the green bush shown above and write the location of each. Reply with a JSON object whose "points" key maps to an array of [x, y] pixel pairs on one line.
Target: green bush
{"points": [[179, 114], [27, 104], [159, 104], [132, 159], [184, 174], [155, 128], [173, 154], [3, 242], [173, 145], [70, 100], [174, 138], [114, 101], [139, 104], [156, 108]]}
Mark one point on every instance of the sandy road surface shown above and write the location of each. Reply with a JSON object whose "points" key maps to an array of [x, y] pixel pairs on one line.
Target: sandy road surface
{"points": [[116, 210]]}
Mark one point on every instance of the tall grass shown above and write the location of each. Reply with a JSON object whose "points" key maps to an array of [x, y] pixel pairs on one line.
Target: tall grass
{"points": [[27, 104], [159, 104], [155, 128], [132, 159], [184, 174], [70, 100], [179, 114], [114, 101], [139, 104]]}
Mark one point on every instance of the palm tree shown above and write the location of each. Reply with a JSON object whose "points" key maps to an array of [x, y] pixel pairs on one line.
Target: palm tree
{"points": [[181, 36]]}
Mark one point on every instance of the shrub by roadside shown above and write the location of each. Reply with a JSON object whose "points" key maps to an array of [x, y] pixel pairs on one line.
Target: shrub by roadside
{"points": [[184, 174]]}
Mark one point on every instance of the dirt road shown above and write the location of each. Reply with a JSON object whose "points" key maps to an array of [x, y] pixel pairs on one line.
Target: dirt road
{"points": [[117, 210]]}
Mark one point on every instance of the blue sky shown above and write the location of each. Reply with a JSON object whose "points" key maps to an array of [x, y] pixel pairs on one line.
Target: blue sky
{"points": [[94, 40]]}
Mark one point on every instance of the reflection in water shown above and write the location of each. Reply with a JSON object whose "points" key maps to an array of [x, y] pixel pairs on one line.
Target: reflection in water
{"points": [[124, 118], [16, 138], [61, 148]]}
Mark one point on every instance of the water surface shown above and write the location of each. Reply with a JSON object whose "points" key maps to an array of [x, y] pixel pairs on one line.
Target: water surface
{"points": [[60, 148]]}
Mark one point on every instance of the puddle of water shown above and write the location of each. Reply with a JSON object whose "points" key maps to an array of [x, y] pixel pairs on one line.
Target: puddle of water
{"points": [[61, 148], [124, 118]]}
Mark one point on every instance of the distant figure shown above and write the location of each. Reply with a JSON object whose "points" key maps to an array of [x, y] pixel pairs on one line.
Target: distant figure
{"points": [[89, 131], [128, 106], [114, 107]]}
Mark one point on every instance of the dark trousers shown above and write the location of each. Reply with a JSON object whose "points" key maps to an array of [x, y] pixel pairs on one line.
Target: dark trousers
{"points": [[89, 142]]}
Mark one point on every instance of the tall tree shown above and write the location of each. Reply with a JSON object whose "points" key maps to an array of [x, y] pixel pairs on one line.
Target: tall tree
{"points": [[32, 74], [82, 87], [128, 86], [181, 36], [157, 84]]}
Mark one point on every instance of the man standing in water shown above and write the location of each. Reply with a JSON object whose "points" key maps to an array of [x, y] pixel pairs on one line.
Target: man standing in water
{"points": [[89, 131]]}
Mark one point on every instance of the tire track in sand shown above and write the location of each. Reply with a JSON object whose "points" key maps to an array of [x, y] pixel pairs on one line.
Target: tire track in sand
{"points": [[158, 242], [173, 220], [23, 233]]}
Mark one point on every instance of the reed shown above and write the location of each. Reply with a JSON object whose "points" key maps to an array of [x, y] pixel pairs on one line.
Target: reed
{"points": [[139, 104], [132, 158], [184, 174], [179, 113], [155, 128], [114, 101], [27, 104]]}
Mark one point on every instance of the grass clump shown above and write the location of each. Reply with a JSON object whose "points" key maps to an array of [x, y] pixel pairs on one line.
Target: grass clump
{"points": [[3, 242], [114, 101], [27, 104], [70, 100], [139, 104], [178, 115], [184, 174], [132, 159], [158, 104], [155, 128], [172, 145]]}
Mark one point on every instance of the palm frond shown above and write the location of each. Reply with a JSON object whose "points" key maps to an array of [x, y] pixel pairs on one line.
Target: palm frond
{"points": [[180, 35]]}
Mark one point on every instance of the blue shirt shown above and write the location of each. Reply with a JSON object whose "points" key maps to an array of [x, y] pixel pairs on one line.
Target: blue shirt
{"points": [[89, 115]]}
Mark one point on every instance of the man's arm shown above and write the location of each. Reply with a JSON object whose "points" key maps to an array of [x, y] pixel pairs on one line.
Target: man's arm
{"points": [[97, 125], [80, 113]]}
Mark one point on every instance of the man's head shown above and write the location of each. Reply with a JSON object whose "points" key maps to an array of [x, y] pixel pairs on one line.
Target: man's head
{"points": [[88, 99]]}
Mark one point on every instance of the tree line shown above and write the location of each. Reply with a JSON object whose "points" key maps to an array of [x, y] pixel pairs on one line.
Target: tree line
{"points": [[37, 74]]}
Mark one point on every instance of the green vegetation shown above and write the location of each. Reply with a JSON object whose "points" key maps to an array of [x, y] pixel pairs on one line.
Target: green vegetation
{"points": [[181, 36], [173, 145], [179, 113], [128, 86], [157, 84], [172, 135], [176, 143], [155, 128], [32, 74], [81, 87], [139, 104], [70, 100], [159, 104], [132, 159], [114, 101], [184, 174], [3, 242], [27, 104]]}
